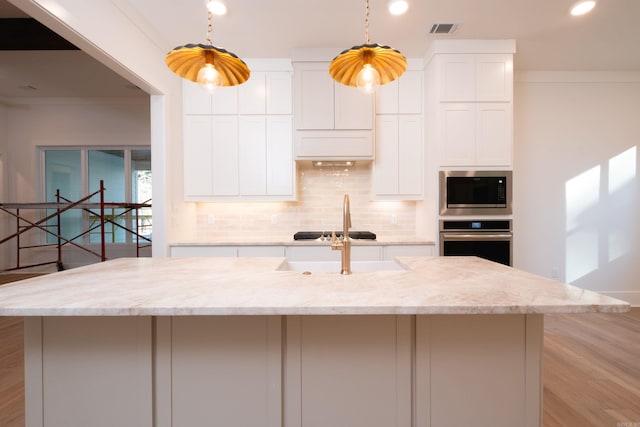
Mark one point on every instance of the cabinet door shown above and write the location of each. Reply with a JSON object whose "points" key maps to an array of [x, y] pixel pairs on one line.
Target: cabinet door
{"points": [[198, 156], [494, 77], [403, 95], [226, 371], [410, 155], [353, 108], [457, 78], [385, 169], [457, 134], [494, 137], [253, 155], [225, 156], [225, 100], [313, 97], [410, 93], [195, 100], [349, 371], [387, 98], [279, 92], [252, 95], [397, 169], [280, 166]]}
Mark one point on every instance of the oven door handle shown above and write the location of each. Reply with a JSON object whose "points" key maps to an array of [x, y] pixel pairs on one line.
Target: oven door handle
{"points": [[476, 236]]}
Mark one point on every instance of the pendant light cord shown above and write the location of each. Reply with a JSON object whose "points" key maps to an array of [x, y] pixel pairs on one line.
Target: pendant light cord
{"points": [[366, 23], [209, 28]]}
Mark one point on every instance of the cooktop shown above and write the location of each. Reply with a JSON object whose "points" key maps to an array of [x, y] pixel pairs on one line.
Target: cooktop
{"points": [[314, 235]]}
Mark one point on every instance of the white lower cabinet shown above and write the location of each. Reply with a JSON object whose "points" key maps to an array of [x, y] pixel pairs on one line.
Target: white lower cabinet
{"points": [[398, 166], [390, 252], [228, 251], [304, 252]]}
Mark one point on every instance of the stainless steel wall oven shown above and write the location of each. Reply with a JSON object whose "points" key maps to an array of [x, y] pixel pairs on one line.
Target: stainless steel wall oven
{"points": [[489, 239]]}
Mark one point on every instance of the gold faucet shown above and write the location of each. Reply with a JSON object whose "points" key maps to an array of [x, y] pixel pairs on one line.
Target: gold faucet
{"points": [[344, 244]]}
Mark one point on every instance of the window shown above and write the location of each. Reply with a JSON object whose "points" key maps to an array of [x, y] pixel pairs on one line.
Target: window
{"points": [[74, 173]]}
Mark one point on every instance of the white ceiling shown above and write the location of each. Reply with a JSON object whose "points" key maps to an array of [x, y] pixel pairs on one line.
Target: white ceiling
{"points": [[547, 37]]}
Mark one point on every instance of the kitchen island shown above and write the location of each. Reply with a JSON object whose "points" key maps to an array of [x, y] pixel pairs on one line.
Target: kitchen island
{"points": [[245, 342]]}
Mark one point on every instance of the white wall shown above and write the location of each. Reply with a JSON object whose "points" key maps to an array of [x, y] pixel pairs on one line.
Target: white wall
{"points": [[577, 190], [68, 122]]}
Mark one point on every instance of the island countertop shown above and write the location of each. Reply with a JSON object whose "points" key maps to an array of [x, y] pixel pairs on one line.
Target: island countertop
{"points": [[255, 286]]}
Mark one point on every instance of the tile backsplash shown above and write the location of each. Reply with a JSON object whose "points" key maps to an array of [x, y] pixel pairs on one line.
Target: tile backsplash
{"points": [[319, 207]]}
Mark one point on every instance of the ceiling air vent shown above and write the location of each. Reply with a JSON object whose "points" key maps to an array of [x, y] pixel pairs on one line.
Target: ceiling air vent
{"points": [[440, 28]]}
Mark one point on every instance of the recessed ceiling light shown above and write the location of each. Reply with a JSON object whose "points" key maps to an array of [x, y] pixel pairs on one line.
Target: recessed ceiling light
{"points": [[582, 7], [398, 7], [216, 7]]}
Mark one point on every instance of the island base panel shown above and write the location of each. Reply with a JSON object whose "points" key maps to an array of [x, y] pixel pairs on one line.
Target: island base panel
{"points": [[293, 371]]}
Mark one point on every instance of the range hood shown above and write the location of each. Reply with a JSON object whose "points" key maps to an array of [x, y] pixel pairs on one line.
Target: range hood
{"points": [[334, 145]]}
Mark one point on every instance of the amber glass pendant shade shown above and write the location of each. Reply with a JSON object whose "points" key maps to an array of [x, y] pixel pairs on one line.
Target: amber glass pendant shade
{"points": [[388, 62], [187, 61]]}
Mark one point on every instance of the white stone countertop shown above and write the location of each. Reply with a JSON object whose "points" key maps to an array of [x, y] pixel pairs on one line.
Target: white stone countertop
{"points": [[255, 286], [275, 241]]}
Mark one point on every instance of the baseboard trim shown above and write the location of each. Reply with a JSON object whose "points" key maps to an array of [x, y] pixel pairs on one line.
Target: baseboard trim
{"points": [[632, 297]]}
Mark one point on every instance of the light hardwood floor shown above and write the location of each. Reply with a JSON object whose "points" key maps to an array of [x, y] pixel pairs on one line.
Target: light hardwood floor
{"points": [[591, 370]]}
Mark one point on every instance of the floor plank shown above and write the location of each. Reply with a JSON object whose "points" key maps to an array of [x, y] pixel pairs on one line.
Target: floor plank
{"points": [[11, 372], [592, 370]]}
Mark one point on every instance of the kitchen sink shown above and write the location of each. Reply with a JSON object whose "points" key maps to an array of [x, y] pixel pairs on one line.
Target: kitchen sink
{"points": [[334, 266]]}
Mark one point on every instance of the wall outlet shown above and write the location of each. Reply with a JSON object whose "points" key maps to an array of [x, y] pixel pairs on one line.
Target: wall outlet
{"points": [[274, 219], [211, 219], [394, 219], [554, 272]]}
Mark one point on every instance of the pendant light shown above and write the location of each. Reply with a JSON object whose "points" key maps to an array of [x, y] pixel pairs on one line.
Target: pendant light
{"points": [[369, 65], [207, 65]]}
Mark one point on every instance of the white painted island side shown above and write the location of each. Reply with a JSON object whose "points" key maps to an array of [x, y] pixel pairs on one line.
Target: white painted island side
{"points": [[240, 341]]}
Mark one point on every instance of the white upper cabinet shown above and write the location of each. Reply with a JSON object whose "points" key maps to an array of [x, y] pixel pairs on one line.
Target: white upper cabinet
{"points": [[210, 156], [403, 96], [279, 92], [398, 168], [266, 93], [252, 95], [475, 134], [322, 104], [399, 163], [196, 100], [313, 97], [238, 141], [266, 156], [476, 77], [263, 93], [474, 111]]}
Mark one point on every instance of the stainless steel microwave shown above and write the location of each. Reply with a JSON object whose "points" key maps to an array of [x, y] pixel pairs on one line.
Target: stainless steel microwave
{"points": [[475, 192]]}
